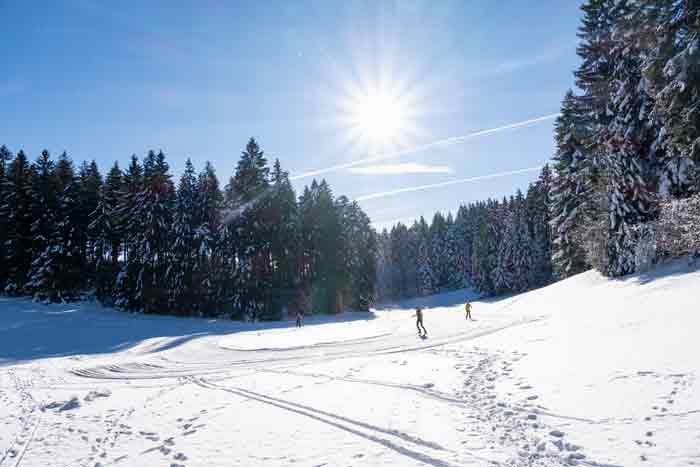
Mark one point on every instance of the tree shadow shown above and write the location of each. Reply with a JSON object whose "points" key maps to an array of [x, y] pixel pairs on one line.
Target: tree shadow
{"points": [[443, 300], [666, 269], [31, 331]]}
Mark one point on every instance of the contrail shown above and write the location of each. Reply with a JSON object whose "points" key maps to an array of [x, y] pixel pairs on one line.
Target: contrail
{"points": [[442, 142], [447, 183]]}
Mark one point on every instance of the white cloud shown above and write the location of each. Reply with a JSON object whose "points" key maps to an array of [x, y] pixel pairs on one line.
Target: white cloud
{"points": [[396, 169]]}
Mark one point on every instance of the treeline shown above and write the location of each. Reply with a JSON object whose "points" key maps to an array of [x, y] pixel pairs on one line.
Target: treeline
{"points": [[628, 138], [496, 247], [624, 190], [138, 241]]}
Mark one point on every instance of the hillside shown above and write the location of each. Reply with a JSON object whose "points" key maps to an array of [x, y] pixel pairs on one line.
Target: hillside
{"points": [[589, 370]]}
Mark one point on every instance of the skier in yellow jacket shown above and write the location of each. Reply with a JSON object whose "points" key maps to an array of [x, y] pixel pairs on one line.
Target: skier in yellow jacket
{"points": [[468, 309]]}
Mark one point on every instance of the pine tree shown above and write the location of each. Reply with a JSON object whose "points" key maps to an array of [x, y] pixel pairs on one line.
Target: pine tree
{"points": [[105, 233], [522, 248], [284, 240], [249, 232], [594, 74], [127, 216], [571, 197], [327, 283], [360, 250], [208, 275], [672, 76], [424, 267], [87, 194], [438, 251], [538, 201], [70, 236], [154, 210], [385, 267], [629, 203], [463, 238], [183, 252], [404, 249], [631, 155], [44, 193], [5, 157], [251, 176], [485, 250], [17, 211]]}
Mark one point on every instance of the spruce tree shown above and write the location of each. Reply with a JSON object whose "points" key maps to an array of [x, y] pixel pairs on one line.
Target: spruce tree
{"points": [[5, 157], [105, 234], [426, 283], [154, 210], [571, 196], [127, 215], [249, 231], [672, 76], [17, 211], [209, 276], [182, 298], [284, 239], [44, 193], [538, 201]]}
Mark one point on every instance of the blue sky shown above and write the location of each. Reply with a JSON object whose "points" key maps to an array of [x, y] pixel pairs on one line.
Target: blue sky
{"points": [[197, 79]]}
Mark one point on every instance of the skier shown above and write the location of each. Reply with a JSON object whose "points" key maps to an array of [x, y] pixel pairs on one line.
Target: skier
{"points": [[468, 309], [419, 322], [300, 318]]}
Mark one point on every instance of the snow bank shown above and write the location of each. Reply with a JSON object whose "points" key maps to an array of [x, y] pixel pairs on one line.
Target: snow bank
{"points": [[615, 361]]}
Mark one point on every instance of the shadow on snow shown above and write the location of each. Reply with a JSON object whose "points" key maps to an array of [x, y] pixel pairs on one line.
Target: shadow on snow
{"points": [[30, 330]]}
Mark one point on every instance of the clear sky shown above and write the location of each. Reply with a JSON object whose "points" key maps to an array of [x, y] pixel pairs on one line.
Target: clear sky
{"points": [[319, 84]]}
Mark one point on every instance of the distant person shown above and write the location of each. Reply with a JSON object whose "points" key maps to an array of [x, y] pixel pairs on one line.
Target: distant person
{"points": [[468, 309], [300, 318], [419, 322]]}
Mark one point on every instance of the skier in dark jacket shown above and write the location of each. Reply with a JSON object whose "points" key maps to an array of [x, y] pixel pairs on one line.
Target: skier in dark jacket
{"points": [[300, 318], [419, 322]]}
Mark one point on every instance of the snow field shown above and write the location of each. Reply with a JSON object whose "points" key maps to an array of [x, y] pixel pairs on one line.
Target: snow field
{"points": [[585, 372]]}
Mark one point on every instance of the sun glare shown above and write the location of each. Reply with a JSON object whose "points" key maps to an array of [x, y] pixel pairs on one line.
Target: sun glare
{"points": [[379, 117]]}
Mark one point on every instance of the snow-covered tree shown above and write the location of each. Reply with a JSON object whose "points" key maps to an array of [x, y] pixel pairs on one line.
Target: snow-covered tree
{"points": [[571, 187], [5, 191], [18, 213], [183, 251], [209, 275], [105, 234], [126, 215], [671, 33]]}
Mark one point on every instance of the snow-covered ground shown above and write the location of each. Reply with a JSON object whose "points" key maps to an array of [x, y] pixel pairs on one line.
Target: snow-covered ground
{"points": [[589, 371]]}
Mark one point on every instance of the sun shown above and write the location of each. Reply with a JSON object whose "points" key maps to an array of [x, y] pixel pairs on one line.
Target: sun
{"points": [[379, 117]]}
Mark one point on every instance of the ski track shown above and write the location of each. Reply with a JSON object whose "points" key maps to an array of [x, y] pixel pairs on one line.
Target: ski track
{"points": [[502, 424], [325, 417], [499, 424], [409, 387], [175, 368], [31, 415]]}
